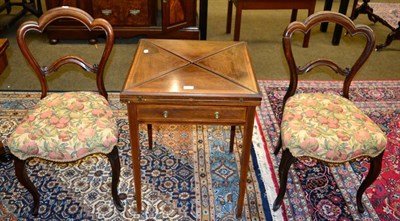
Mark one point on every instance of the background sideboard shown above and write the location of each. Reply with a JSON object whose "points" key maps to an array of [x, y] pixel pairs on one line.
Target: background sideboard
{"points": [[130, 18]]}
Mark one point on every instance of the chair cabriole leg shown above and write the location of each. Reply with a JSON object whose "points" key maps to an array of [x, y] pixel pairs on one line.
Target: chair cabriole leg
{"points": [[115, 169], [373, 173], [22, 176]]}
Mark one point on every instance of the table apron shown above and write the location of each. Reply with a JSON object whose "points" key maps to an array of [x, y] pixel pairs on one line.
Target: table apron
{"points": [[219, 115]]}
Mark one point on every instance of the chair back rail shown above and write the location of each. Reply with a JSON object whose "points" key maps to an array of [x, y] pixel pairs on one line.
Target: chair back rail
{"points": [[85, 19], [305, 27]]}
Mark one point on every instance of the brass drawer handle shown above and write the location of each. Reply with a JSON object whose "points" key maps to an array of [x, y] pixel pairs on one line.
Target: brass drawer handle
{"points": [[165, 114], [134, 12], [216, 114], [106, 12]]}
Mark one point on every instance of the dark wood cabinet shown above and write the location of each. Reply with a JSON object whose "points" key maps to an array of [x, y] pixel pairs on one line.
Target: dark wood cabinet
{"points": [[130, 18]]}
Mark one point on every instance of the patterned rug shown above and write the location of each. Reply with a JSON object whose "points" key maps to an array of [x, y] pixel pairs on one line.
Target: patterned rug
{"points": [[188, 175], [319, 192]]}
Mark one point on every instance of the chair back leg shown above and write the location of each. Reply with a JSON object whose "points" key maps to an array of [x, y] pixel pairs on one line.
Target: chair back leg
{"points": [[284, 166], [22, 176]]}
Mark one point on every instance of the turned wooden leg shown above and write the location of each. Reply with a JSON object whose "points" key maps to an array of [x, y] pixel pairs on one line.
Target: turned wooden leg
{"points": [[232, 142], [286, 161], [373, 173], [115, 169], [23, 178], [150, 135], [362, 9], [32, 7], [392, 36]]}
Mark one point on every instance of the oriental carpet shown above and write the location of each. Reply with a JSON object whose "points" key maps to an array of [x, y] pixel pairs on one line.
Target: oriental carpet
{"points": [[190, 175]]}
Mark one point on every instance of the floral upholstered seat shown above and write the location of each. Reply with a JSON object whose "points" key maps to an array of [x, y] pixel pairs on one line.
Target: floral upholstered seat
{"points": [[329, 127], [65, 127]]}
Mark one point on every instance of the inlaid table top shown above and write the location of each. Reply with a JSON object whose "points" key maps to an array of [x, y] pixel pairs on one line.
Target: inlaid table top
{"points": [[192, 69]]}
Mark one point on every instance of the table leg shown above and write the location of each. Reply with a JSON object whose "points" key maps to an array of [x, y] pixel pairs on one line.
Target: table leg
{"points": [[232, 141], [150, 135], [293, 17], [306, 40], [244, 163], [338, 28], [229, 17], [327, 7], [203, 19], [5, 155], [238, 19], [135, 150]]}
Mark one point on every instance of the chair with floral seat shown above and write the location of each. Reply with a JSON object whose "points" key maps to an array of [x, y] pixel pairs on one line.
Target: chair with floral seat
{"points": [[324, 126], [68, 126]]}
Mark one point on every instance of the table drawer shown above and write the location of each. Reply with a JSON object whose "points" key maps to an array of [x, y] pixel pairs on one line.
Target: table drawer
{"points": [[171, 113]]}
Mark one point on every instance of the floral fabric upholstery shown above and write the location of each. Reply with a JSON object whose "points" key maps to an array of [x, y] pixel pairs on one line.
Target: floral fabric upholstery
{"points": [[65, 127], [330, 128]]}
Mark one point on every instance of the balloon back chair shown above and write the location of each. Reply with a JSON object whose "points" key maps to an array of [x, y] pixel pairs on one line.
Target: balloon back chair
{"points": [[324, 126], [68, 126]]}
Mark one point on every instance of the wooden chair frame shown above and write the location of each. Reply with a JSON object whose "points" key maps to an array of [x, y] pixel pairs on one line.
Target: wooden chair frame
{"points": [[348, 73], [43, 72]]}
